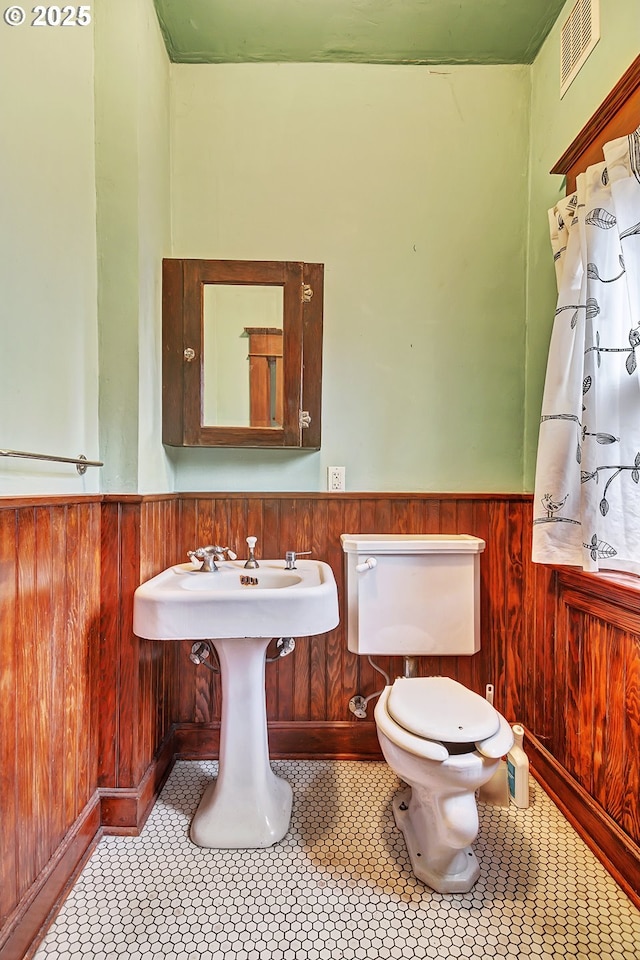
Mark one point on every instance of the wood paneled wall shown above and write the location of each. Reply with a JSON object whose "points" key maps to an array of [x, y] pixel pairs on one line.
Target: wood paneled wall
{"points": [[596, 691], [86, 708], [135, 686], [580, 703], [315, 683], [49, 631], [91, 716]]}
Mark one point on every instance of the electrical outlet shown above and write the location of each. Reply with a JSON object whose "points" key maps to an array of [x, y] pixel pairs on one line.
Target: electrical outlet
{"points": [[336, 479]]}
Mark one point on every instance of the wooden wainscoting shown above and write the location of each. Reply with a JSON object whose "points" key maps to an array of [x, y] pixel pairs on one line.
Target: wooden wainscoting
{"points": [[587, 753], [86, 708], [574, 682], [308, 692], [137, 682], [50, 596], [597, 693]]}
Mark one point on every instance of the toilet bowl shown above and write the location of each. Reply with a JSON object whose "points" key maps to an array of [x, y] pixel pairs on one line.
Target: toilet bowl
{"points": [[444, 742]]}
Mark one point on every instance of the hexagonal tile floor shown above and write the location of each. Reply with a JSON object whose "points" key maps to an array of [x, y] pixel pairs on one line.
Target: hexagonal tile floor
{"points": [[339, 886]]}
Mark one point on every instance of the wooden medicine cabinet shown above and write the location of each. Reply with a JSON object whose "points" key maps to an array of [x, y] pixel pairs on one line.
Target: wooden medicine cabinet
{"points": [[241, 353]]}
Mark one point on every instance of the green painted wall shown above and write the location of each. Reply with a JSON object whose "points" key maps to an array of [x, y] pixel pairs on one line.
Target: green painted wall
{"points": [[85, 223], [132, 186], [424, 190], [48, 336], [410, 185], [554, 125]]}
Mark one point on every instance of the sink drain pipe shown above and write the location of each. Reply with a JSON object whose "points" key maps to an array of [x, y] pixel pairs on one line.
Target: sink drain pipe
{"points": [[203, 649], [284, 646]]}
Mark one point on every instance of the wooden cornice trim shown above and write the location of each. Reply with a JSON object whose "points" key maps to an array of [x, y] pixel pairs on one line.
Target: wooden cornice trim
{"points": [[593, 128], [620, 589], [352, 495], [44, 500], [128, 498]]}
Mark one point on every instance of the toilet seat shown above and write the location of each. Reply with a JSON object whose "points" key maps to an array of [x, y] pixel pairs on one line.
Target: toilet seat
{"points": [[438, 710]]}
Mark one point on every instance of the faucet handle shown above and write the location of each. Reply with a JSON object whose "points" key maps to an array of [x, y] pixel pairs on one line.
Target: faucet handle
{"points": [[291, 556], [220, 552], [208, 557], [252, 563]]}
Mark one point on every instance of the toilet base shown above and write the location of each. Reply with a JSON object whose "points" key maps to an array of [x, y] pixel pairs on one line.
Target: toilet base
{"points": [[466, 868]]}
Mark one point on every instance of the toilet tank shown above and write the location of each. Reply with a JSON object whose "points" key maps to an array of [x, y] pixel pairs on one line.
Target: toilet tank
{"points": [[413, 595]]}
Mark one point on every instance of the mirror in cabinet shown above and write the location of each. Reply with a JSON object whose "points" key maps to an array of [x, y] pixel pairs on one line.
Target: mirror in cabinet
{"points": [[242, 353]]}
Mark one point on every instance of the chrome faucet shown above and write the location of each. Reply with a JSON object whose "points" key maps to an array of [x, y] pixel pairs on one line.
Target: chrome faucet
{"points": [[209, 555], [291, 556]]}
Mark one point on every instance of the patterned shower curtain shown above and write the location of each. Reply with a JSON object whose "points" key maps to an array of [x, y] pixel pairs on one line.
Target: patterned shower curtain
{"points": [[587, 489]]}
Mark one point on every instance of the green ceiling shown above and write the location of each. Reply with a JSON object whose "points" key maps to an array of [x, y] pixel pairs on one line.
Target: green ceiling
{"points": [[356, 31]]}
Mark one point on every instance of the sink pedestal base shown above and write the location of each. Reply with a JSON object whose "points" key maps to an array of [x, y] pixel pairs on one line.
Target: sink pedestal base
{"points": [[247, 805]]}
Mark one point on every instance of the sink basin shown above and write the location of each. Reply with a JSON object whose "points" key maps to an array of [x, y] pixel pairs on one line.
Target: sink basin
{"points": [[186, 604], [227, 579]]}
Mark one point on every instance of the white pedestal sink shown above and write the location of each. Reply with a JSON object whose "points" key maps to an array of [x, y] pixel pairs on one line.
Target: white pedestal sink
{"points": [[247, 805]]}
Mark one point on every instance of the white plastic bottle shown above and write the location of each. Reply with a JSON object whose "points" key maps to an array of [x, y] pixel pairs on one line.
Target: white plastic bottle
{"points": [[518, 769]]}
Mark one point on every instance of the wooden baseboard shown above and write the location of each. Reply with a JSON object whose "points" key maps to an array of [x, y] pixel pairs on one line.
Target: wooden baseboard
{"points": [[27, 924], [339, 740], [288, 740], [611, 845], [124, 811]]}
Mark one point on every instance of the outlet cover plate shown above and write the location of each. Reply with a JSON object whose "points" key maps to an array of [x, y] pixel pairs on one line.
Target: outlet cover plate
{"points": [[336, 480]]}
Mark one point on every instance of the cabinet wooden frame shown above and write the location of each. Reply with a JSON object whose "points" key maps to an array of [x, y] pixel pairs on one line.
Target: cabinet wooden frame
{"points": [[183, 286]]}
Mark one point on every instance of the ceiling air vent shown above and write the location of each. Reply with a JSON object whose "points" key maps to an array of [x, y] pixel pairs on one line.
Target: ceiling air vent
{"points": [[578, 36]]}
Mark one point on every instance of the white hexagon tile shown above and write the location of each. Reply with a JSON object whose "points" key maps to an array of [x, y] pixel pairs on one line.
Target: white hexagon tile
{"points": [[339, 886]]}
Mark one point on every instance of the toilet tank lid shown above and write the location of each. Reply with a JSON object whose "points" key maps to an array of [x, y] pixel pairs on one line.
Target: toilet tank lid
{"points": [[411, 543]]}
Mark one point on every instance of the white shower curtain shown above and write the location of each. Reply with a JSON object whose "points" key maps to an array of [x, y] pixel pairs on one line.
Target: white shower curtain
{"points": [[587, 489]]}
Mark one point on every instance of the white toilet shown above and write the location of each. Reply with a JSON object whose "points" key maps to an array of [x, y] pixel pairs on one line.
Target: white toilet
{"points": [[411, 596]]}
